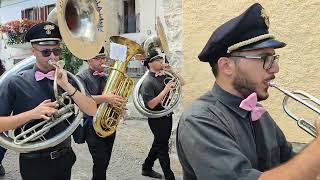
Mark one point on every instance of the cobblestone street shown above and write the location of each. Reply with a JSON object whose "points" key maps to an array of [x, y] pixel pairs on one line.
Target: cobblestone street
{"points": [[131, 146]]}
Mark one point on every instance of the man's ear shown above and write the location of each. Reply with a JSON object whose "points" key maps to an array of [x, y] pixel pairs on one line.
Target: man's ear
{"points": [[89, 61], [33, 51], [226, 66]]}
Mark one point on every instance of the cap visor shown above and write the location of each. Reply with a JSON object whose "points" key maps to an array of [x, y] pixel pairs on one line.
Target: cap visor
{"points": [[47, 42], [268, 43], [101, 55]]}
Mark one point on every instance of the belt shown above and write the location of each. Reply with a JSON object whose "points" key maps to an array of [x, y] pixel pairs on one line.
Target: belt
{"points": [[47, 155]]}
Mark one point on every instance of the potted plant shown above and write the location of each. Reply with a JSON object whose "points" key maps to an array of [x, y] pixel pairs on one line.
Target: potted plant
{"points": [[15, 30], [72, 63]]}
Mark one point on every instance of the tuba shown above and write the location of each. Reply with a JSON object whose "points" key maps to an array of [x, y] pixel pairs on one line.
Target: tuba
{"points": [[80, 23], [172, 99], [108, 117], [305, 99]]}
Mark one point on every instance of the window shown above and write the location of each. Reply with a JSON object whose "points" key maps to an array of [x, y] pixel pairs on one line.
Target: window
{"points": [[29, 14], [135, 69], [37, 13], [129, 16], [50, 8]]}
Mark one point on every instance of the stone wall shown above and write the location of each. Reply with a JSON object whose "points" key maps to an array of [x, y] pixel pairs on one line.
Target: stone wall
{"points": [[173, 21], [295, 22]]}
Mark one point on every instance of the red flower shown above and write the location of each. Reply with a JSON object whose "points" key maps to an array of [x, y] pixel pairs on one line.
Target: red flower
{"points": [[18, 25], [17, 29]]}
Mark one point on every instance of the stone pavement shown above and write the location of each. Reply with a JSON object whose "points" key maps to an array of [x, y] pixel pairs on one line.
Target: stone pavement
{"points": [[131, 146]]}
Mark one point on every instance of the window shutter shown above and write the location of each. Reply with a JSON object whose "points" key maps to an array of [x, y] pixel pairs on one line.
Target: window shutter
{"points": [[42, 14], [34, 14], [23, 15]]}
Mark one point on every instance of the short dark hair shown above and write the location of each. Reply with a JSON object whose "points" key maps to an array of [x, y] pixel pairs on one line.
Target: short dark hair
{"points": [[214, 69], [2, 68], [214, 65]]}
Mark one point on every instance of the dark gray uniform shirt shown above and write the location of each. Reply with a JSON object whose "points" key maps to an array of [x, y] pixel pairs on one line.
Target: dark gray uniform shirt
{"points": [[22, 93], [151, 88], [93, 84], [216, 140]]}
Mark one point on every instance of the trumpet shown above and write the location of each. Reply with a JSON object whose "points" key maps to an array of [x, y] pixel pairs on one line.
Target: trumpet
{"points": [[303, 98]]}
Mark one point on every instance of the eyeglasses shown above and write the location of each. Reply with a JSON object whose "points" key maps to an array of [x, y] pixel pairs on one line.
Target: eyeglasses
{"points": [[47, 52], [268, 60]]}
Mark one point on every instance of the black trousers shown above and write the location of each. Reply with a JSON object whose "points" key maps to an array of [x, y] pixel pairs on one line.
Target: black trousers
{"points": [[161, 129], [100, 150], [38, 167]]}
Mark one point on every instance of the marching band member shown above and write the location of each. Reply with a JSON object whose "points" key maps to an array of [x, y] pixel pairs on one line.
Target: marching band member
{"points": [[2, 68], [2, 150], [94, 78], [152, 91], [29, 96], [226, 134]]}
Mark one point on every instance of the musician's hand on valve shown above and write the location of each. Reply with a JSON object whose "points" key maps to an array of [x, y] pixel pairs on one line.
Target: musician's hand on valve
{"points": [[44, 110], [170, 85], [114, 99]]}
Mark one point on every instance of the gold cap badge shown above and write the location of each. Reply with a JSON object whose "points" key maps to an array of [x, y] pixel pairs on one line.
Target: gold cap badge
{"points": [[48, 29]]}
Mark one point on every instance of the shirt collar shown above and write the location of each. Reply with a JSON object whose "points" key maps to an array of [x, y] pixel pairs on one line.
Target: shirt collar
{"points": [[91, 71], [152, 74], [36, 68], [229, 100]]}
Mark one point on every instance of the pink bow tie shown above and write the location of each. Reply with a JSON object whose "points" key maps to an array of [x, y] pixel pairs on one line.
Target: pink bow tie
{"points": [[250, 104], [100, 74], [39, 75], [161, 73]]}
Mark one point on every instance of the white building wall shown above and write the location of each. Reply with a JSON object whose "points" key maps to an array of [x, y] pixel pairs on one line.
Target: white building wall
{"points": [[11, 9], [149, 10], [112, 17]]}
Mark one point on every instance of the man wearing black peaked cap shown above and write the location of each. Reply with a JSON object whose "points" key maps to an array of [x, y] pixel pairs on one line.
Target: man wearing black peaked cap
{"points": [[153, 90], [225, 134], [94, 78], [29, 96]]}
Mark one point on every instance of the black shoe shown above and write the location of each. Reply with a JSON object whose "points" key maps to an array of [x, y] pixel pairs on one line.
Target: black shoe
{"points": [[151, 173], [2, 170]]}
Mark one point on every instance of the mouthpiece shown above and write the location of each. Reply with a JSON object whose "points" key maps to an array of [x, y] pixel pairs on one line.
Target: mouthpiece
{"points": [[50, 62], [60, 63], [272, 83]]}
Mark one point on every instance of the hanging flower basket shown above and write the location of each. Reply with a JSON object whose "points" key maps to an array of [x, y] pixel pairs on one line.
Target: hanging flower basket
{"points": [[16, 30]]}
